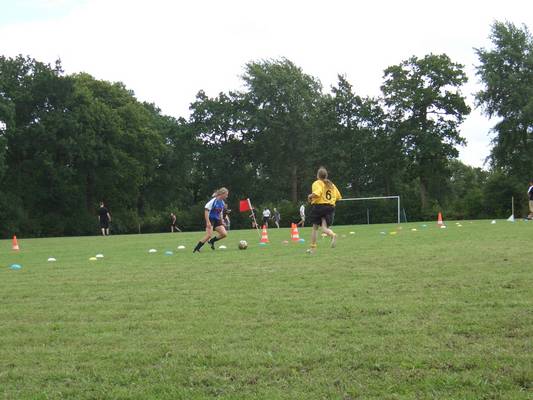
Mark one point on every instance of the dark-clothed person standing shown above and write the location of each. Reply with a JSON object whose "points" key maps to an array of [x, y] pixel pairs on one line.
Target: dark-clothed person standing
{"points": [[104, 217]]}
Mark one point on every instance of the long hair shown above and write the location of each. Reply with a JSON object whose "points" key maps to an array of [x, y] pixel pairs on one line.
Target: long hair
{"points": [[220, 191], [322, 174]]}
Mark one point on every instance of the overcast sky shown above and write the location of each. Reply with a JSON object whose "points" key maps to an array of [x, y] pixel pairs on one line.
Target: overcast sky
{"points": [[166, 51]]}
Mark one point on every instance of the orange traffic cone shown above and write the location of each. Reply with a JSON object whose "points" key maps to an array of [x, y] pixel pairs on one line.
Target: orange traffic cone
{"points": [[15, 245], [439, 219], [295, 236], [264, 235]]}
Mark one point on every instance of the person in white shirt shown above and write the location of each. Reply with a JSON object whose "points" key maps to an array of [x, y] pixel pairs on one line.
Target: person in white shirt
{"points": [[266, 216], [302, 216]]}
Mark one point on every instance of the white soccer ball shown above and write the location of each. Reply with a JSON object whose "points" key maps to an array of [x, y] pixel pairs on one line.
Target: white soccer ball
{"points": [[243, 245]]}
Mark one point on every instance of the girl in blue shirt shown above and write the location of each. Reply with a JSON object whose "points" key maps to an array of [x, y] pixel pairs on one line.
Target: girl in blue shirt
{"points": [[214, 220]]}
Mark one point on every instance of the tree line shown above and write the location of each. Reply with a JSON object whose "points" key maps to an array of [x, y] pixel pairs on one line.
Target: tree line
{"points": [[70, 141]]}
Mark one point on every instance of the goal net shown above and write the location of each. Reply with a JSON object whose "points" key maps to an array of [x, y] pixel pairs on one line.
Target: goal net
{"points": [[368, 210]]}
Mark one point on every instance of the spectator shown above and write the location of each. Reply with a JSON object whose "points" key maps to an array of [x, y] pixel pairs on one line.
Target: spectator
{"points": [[104, 217]]}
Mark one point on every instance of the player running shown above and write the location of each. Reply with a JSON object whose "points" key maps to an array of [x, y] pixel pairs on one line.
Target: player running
{"points": [[323, 197], [214, 220]]}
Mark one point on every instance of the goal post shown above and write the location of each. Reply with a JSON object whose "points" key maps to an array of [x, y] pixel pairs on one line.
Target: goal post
{"points": [[376, 198]]}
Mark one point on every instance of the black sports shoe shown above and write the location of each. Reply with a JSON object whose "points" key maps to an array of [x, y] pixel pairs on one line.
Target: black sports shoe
{"points": [[212, 244], [196, 250]]}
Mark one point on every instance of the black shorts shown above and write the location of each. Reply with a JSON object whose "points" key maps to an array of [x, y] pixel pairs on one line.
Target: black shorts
{"points": [[104, 224], [319, 211], [216, 222], [265, 220]]}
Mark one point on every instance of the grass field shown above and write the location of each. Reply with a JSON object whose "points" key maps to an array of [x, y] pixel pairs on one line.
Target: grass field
{"points": [[426, 314]]}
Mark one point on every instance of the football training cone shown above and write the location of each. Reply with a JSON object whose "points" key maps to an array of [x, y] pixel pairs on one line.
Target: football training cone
{"points": [[15, 244], [295, 236], [439, 219], [264, 235]]}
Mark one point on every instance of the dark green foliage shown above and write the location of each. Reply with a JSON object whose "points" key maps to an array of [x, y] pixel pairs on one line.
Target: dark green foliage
{"points": [[282, 103], [466, 197], [506, 72], [70, 141], [426, 109], [365, 157]]}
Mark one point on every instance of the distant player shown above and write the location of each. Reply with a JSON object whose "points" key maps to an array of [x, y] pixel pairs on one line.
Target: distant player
{"points": [[323, 197], [302, 216], [104, 218], [266, 216], [173, 223], [276, 217], [214, 219]]}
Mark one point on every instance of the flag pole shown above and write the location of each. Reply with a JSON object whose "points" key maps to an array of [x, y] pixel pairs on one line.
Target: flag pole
{"points": [[253, 216]]}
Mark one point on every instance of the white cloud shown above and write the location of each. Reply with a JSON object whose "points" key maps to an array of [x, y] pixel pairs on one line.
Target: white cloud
{"points": [[168, 50]]}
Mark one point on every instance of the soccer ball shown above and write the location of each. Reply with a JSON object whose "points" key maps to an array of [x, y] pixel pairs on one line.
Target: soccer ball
{"points": [[243, 245]]}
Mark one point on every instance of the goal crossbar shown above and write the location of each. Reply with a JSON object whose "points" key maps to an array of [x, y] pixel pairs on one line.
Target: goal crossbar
{"points": [[376, 198]]}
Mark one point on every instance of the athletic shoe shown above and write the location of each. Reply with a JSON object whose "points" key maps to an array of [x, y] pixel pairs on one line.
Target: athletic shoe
{"points": [[196, 250], [334, 240], [212, 244]]}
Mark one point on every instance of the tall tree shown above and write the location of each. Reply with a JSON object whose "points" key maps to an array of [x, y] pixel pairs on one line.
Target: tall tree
{"points": [[282, 101], [119, 145], [506, 71], [361, 150], [466, 187], [427, 108], [72, 141], [222, 151], [33, 96], [6, 116]]}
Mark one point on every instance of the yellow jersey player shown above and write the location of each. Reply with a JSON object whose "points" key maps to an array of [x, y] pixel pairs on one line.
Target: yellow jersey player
{"points": [[323, 197]]}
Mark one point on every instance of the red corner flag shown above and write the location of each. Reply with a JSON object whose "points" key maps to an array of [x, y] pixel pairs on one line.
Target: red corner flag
{"points": [[244, 205]]}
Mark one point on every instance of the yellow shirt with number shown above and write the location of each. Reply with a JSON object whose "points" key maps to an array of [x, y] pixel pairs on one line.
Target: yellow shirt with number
{"points": [[325, 195]]}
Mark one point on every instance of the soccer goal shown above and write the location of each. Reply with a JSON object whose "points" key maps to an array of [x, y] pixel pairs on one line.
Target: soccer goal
{"points": [[379, 209]]}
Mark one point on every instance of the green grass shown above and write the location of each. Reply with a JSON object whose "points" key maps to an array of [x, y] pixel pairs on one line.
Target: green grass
{"points": [[431, 314]]}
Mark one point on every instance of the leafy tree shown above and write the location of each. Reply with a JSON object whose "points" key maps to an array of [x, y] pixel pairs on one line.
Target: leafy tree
{"points": [[223, 150], [72, 141], [282, 103], [118, 147], [172, 185], [6, 112], [467, 185], [506, 71], [360, 150], [498, 191], [33, 95], [426, 109]]}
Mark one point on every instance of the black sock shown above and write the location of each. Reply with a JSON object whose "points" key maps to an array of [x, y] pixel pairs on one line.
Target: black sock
{"points": [[212, 242], [198, 246]]}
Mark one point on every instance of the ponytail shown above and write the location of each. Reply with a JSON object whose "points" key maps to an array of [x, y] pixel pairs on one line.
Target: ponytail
{"points": [[322, 174]]}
